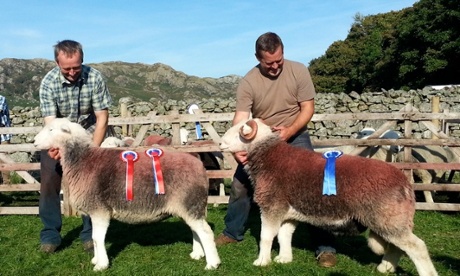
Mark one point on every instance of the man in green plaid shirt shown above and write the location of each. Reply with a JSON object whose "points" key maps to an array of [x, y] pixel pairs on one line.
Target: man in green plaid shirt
{"points": [[77, 92]]}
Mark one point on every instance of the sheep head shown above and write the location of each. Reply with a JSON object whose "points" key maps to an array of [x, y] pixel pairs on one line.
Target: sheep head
{"points": [[112, 142], [57, 132], [240, 136]]}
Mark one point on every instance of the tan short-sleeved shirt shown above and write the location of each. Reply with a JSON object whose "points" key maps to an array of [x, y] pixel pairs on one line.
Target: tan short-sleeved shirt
{"points": [[276, 101]]}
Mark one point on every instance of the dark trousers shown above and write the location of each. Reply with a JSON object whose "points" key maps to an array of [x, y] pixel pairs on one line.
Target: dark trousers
{"points": [[241, 197], [49, 208]]}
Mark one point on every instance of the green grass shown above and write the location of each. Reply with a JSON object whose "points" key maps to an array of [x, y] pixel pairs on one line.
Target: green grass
{"points": [[163, 249]]}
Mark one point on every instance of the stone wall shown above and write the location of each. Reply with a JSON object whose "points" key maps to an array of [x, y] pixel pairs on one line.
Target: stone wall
{"points": [[372, 102]]}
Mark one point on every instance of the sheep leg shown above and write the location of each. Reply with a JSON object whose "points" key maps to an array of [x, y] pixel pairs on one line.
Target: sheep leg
{"points": [[100, 225], [269, 230], [416, 249], [197, 252], [376, 243], [426, 178], [390, 259], [205, 236], [285, 240]]}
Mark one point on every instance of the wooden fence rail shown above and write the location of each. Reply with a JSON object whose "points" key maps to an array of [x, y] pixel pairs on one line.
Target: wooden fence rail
{"points": [[406, 116]]}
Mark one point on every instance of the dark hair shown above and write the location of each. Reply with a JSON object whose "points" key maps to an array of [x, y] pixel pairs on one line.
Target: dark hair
{"points": [[68, 47], [268, 42]]}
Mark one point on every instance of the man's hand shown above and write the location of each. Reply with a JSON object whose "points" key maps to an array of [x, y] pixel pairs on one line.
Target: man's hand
{"points": [[284, 132], [54, 153], [241, 157]]}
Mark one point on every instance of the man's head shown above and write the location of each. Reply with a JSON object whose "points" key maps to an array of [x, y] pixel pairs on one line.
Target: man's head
{"points": [[270, 54], [69, 57]]}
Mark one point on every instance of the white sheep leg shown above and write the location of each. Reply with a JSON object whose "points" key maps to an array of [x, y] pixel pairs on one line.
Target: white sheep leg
{"points": [[197, 252], [269, 230], [285, 240], [100, 226], [203, 233], [390, 259], [416, 249]]}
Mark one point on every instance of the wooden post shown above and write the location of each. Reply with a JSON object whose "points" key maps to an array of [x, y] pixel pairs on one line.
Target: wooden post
{"points": [[130, 127], [408, 149], [175, 130], [124, 114], [445, 124]]}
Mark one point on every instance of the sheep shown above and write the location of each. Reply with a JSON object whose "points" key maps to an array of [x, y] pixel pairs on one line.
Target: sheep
{"points": [[288, 182], [155, 139], [422, 153], [383, 153], [94, 180], [115, 142], [430, 154]]}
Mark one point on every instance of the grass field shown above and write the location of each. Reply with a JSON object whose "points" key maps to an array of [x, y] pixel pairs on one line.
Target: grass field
{"points": [[163, 249]]}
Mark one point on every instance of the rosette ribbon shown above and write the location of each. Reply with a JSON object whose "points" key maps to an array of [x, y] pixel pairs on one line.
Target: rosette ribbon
{"points": [[129, 157], [157, 173], [199, 135], [329, 184], [191, 110]]}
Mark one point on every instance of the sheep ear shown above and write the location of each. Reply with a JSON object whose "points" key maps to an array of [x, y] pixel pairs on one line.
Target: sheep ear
{"points": [[65, 128], [249, 130]]}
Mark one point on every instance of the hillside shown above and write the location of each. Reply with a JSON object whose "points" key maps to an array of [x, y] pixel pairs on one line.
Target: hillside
{"points": [[20, 80]]}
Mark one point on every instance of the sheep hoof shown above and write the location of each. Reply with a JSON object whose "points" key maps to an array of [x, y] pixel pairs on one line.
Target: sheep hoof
{"points": [[261, 262], [212, 266], [100, 267], [94, 260], [196, 255], [386, 267], [283, 259]]}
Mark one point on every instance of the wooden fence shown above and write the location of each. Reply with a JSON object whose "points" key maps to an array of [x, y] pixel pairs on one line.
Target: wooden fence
{"points": [[406, 116]]}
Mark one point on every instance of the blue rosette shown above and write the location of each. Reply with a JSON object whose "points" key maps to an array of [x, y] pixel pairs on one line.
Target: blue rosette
{"points": [[329, 183]]}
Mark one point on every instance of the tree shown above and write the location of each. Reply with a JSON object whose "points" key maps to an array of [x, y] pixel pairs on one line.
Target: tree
{"points": [[411, 48], [428, 44]]}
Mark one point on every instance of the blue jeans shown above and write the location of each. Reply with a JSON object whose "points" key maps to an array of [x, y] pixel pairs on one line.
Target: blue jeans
{"points": [[240, 200], [49, 208]]}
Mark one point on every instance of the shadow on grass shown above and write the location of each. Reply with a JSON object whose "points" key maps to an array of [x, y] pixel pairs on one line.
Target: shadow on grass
{"points": [[448, 262], [120, 235], [304, 238]]}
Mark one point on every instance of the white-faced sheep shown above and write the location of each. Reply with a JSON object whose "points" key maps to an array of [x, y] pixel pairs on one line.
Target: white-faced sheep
{"points": [[420, 153], [115, 142], [384, 153], [95, 181], [288, 188]]}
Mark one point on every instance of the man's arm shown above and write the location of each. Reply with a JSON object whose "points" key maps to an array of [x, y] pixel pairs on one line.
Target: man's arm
{"points": [[102, 121], [239, 117], [307, 108]]}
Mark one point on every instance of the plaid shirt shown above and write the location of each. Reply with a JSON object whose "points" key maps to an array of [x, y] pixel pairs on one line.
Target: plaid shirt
{"points": [[4, 118], [75, 101]]}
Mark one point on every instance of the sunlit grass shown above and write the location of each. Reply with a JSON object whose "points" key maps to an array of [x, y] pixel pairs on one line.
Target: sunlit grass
{"points": [[163, 249]]}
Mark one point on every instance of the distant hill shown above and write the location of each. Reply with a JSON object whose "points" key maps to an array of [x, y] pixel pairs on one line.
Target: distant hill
{"points": [[20, 81]]}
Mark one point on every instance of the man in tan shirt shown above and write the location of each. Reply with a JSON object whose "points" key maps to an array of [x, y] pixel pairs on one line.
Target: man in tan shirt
{"points": [[280, 92]]}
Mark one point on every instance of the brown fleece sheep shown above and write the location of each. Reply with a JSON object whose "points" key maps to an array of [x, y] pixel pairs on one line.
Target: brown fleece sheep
{"points": [[95, 182], [157, 140], [288, 188]]}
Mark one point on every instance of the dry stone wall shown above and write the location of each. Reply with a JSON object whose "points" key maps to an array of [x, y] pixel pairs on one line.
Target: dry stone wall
{"points": [[372, 102]]}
